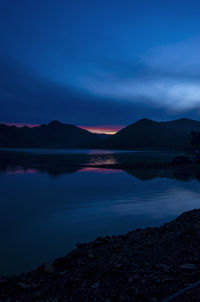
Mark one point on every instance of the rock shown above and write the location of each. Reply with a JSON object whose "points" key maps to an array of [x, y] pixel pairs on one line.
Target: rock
{"points": [[34, 285], [79, 245], [3, 280], [90, 255], [117, 246], [164, 267], [37, 293], [98, 242], [158, 281], [188, 266], [95, 285], [62, 273], [83, 284], [135, 277], [23, 285], [59, 262], [195, 156], [48, 268]]}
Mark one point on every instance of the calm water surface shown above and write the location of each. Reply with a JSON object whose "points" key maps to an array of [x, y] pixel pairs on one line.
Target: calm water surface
{"points": [[43, 216], [64, 151]]}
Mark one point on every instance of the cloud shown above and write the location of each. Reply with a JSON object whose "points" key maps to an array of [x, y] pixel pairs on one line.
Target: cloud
{"points": [[178, 59], [172, 94], [108, 92], [27, 97], [167, 77]]}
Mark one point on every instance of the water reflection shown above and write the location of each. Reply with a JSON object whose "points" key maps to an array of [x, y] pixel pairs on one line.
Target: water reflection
{"points": [[43, 217], [100, 170], [19, 170], [144, 174], [60, 151]]}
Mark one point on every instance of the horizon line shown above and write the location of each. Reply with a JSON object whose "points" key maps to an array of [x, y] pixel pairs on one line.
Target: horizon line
{"points": [[98, 129]]}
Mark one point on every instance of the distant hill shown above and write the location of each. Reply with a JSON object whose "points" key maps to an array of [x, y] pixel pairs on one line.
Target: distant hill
{"points": [[143, 134], [52, 135], [149, 134]]}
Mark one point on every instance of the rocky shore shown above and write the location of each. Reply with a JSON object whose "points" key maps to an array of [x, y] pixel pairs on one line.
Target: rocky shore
{"points": [[144, 265]]}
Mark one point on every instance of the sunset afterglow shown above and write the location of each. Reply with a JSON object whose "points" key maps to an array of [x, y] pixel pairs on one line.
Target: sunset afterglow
{"points": [[20, 125], [103, 129]]}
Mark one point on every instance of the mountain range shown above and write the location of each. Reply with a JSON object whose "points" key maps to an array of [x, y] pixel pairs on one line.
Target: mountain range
{"points": [[147, 133], [52, 135], [143, 134]]}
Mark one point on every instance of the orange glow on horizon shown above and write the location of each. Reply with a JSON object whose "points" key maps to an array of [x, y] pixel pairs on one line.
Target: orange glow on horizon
{"points": [[93, 129], [103, 129]]}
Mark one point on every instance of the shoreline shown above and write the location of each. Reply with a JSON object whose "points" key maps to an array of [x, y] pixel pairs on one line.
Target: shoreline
{"points": [[148, 264]]}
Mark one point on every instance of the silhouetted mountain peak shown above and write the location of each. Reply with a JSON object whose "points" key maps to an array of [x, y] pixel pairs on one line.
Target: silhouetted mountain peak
{"points": [[144, 121], [55, 123], [147, 133], [185, 120], [52, 135]]}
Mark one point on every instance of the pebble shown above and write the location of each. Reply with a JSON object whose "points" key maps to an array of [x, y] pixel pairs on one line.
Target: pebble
{"points": [[135, 277], [48, 268], [37, 293], [90, 255], [188, 266], [23, 285], [3, 280], [95, 285]]}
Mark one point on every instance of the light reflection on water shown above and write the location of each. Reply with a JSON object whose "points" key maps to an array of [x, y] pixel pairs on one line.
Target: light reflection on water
{"points": [[42, 217], [19, 170], [111, 160]]}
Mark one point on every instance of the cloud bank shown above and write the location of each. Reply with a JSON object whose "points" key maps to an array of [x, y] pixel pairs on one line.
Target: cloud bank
{"points": [[167, 77]]}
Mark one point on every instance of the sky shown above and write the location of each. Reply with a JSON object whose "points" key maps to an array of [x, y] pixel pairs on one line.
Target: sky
{"points": [[99, 64]]}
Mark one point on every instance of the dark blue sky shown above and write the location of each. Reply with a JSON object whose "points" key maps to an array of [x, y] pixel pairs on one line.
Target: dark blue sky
{"points": [[106, 62]]}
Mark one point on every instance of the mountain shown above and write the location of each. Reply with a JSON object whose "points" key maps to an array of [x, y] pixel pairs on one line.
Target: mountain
{"points": [[143, 134], [52, 135], [149, 134]]}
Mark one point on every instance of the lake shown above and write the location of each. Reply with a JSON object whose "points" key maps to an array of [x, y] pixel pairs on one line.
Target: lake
{"points": [[43, 215]]}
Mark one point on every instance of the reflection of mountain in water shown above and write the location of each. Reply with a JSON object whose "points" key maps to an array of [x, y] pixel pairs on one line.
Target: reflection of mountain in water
{"points": [[184, 173], [151, 167], [18, 163]]}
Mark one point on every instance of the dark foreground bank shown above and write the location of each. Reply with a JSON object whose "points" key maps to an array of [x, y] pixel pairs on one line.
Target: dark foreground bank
{"points": [[143, 265]]}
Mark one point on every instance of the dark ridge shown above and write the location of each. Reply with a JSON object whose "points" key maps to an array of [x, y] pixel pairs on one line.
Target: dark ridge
{"points": [[143, 134], [55, 124], [148, 134], [53, 135]]}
